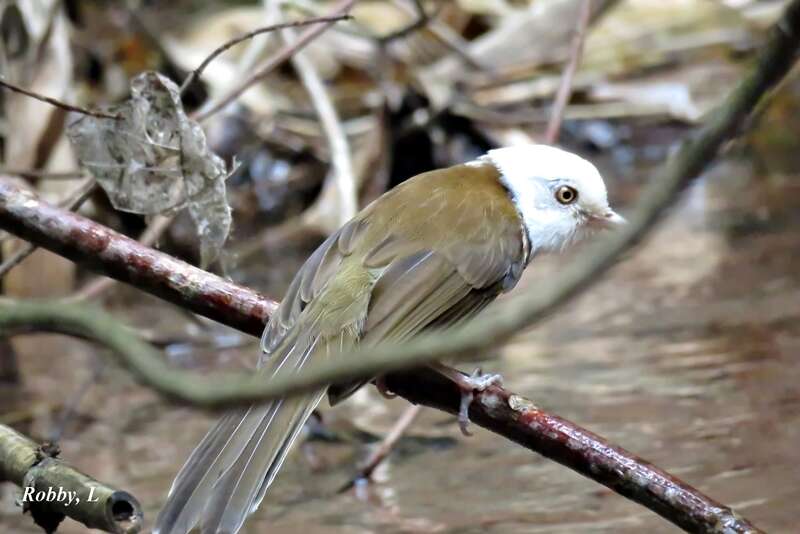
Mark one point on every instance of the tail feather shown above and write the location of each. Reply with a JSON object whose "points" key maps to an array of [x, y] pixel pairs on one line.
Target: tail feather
{"points": [[209, 452], [283, 451], [217, 453], [227, 475], [239, 492]]}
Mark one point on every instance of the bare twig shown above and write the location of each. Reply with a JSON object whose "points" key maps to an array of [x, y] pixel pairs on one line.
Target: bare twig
{"points": [[341, 9], [41, 174], [420, 22], [382, 451], [344, 178], [71, 405], [496, 409], [57, 103], [565, 89], [36, 469], [445, 35], [140, 358], [73, 202], [195, 74], [16, 258]]}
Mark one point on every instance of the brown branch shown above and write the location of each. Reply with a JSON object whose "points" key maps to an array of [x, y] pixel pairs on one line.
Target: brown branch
{"points": [[95, 288], [195, 74], [518, 419], [57, 103], [241, 308], [73, 202], [36, 469], [565, 88], [122, 258], [283, 55]]}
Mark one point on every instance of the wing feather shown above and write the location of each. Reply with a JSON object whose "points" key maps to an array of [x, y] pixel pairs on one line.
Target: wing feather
{"points": [[420, 278]]}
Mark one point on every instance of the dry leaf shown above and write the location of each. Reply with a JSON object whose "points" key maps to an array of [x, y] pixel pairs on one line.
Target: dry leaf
{"points": [[154, 160]]}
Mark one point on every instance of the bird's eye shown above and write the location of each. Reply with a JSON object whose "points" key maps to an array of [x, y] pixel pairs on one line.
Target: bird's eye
{"points": [[566, 194]]}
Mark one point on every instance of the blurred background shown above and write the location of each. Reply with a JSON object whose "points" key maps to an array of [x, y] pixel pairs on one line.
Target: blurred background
{"points": [[687, 353]]}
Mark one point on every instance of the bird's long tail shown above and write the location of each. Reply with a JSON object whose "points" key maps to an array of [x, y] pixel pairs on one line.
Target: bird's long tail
{"points": [[227, 475]]}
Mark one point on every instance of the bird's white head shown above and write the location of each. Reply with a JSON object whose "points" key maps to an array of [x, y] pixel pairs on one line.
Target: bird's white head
{"points": [[560, 196]]}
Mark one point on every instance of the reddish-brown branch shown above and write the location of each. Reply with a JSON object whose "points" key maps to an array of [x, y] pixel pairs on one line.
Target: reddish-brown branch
{"points": [[95, 288], [518, 419], [117, 256], [73, 202], [500, 411]]}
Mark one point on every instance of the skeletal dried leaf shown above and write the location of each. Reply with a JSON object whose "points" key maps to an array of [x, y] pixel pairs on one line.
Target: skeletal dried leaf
{"points": [[155, 160]]}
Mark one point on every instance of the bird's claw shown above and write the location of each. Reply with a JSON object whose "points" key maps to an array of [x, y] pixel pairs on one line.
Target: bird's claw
{"points": [[477, 381], [463, 412], [380, 385]]}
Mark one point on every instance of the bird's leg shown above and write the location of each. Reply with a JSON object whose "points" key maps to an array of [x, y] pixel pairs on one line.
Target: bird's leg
{"points": [[468, 384]]}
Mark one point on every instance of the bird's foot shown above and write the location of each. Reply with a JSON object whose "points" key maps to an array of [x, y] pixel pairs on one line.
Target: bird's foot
{"points": [[380, 385], [477, 381], [469, 385]]}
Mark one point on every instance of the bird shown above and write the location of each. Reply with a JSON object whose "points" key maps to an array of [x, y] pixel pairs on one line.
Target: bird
{"points": [[427, 254]]}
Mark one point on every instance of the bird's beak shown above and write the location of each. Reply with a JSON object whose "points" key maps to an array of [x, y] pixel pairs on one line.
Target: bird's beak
{"points": [[608, 220]]}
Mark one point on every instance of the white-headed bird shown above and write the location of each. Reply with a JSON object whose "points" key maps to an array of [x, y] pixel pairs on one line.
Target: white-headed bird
{"points": [[427, 254]]}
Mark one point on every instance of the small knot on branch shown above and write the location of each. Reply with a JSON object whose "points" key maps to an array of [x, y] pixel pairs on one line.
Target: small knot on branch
{"points": [[48, 449]]}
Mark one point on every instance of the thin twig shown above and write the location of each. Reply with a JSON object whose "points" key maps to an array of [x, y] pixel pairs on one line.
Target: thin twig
{"points": [[41, 47], [41, 174], [73, 202], [446, 36], [195, 74], [57, 103], [382, 451], [283, 55], [496, 409], [70, 407], [420, 22], [565, 89], [344, 178]]}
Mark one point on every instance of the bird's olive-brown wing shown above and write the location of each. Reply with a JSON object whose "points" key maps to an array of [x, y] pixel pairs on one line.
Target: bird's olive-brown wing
{"points": [[422, 277]]}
